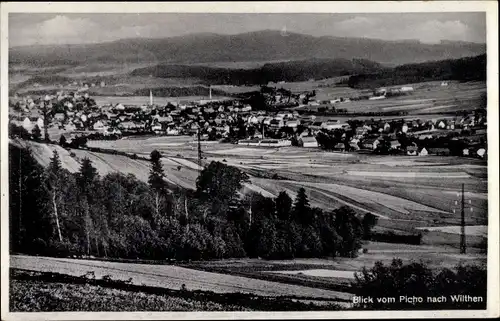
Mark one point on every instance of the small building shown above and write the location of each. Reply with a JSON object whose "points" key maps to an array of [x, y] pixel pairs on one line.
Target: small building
{"points": [[59, 116], [40, 122], [441, 124], [371, 143], [412, 151], [395, 144], [276, 123], [423, 152], [98, 125], [292, 123], [339, 147], [308, 142], [27, 124], [443, 151]]}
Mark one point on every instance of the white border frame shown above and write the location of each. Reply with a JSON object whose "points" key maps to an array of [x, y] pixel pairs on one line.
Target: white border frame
{"points": [[491, 9]]}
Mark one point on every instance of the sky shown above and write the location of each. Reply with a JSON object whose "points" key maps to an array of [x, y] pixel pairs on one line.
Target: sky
{"points": [[64, 28]]}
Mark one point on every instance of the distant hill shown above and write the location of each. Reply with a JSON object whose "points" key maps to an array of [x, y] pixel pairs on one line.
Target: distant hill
{"points": [[300, 70], [464, 69], [254, 46]]}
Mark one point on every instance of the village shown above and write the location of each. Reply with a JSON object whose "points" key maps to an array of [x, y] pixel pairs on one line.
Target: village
{"points": [[76, 115]]}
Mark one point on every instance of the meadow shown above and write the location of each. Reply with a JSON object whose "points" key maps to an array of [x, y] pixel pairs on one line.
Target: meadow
{"points": [[408, 194]]}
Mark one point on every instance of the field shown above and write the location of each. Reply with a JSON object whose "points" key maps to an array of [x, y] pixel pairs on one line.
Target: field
{"points": [[35, 296], [408, 194], [428, 97], [173, 277]]}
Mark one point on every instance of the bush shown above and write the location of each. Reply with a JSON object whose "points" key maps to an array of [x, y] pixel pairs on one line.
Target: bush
{"points": [[39, 246], [62, 249], [391, 237], [416, 279]]}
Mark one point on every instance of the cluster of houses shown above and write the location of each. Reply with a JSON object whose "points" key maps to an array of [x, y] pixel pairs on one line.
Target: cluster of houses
{"points": [[75, 114]]}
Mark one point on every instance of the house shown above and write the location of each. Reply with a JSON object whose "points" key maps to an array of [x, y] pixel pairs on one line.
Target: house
{"points": [[276, 123], [40, 122], [166, 119], [414, 151], [371, 144], [59, 116], [172, 131], [395, 144], [361, 131], [387, 127], [339, 147], [353, 144], [439, 151], [280, 115], [441, 124], [27, 124], [423, 152], [308, 142], [334, 124], [317, 125], [253, 120], [98, 125], [267, 121], [156, 128], [404, 128], [247, 108], [275, 142], [292, 123], [481, 152], [127, 125]]}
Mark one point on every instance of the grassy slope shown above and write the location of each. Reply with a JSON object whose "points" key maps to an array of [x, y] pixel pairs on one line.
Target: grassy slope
{"points": [[34, 296]]}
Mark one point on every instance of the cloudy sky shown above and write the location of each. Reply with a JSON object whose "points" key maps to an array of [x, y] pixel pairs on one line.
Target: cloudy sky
{"points": [[29, 29]]}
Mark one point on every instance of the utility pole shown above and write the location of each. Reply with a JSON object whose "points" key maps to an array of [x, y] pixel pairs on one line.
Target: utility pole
{"points": [[463, 244], [199, 148], [462, 234]]}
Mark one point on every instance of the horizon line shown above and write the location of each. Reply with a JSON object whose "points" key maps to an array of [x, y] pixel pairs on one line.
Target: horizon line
{"points": [[246, 33]]}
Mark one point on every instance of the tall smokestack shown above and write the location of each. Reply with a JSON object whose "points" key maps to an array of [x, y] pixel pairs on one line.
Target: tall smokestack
{"points": [[150, 98], [210, 92]]}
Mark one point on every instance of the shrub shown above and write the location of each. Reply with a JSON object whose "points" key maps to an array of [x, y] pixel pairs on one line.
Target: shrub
{"points": [[39, 246]]}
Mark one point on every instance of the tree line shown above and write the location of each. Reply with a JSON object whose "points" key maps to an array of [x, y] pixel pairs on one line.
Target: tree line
{"points": [[58, 213], [464, 69]]}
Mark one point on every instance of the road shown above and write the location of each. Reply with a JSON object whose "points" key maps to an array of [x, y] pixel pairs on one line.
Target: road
{"points": [[171, 277]]}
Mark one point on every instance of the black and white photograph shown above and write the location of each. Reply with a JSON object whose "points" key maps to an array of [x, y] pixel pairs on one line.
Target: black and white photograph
{"points": [[246, 161]]}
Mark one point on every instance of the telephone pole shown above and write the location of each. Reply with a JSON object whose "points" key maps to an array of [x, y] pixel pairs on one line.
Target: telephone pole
{"points": [[462, 234], [199, 148]]}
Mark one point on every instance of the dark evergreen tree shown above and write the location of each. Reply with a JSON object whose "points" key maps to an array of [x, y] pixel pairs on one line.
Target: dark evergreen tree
{"points": [[54, 186], [156, 179], [87, 176], [301, 208], [29, 221], [36, 133], [62, 141], [350, 231], [283, 206], [368, 222]]}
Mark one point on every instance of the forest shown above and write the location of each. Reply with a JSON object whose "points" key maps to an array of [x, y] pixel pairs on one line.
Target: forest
{"points": [[299, 70], [464, 69], [57, 213]]}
